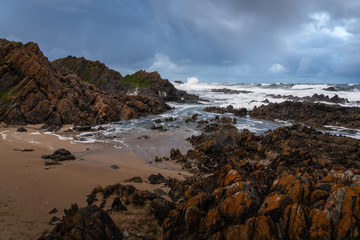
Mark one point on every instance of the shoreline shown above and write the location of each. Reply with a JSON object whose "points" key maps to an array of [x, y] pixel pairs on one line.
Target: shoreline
{"points": [[29, 190]]}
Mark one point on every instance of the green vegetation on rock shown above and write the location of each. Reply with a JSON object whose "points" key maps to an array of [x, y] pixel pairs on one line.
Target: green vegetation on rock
{"points": [[134, 81], [4, 96]]}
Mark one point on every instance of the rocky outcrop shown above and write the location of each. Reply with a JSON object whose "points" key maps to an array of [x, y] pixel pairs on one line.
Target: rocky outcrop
{"points": [[139, 83], [292, 183], [314, 98], [93, 72], [230, 91], [312, 114], [137, 215], [32, 92], [240, 112], [85, 223]]}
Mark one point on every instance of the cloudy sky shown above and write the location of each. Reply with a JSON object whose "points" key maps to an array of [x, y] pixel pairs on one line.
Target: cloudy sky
{"points": [[314, 41]]}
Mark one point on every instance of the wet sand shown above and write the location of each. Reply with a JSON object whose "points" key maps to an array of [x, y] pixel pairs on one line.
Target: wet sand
{"points": [[29, 190]]}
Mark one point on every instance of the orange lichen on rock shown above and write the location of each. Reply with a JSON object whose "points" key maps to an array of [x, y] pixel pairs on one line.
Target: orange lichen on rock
{"points": [[263, 228], [297, 190], [235, 207], [274, 205], [348, 226], [320, 225], [212, 222]]}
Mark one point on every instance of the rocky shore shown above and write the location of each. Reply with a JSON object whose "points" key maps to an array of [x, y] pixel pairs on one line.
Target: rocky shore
{"points": [[293, 182], [290, 183]]}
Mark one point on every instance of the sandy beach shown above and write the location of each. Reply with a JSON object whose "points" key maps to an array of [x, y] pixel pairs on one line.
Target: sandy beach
{"points": [[29, 190]]}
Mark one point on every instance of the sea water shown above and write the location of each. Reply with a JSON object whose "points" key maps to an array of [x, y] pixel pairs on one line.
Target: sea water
{"points": [[131, 134]]}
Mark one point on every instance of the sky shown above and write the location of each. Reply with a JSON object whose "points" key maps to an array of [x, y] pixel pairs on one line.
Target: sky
{"points": [[234, 41]]}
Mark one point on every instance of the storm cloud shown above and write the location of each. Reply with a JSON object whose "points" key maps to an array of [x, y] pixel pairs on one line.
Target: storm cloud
{"points": [[216, 41]]}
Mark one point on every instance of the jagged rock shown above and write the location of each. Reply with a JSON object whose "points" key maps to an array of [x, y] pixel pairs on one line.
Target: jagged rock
{"points": [[161, 208], [291, 183], [85, 223], [331, 89], [170, 119], [314, 98], [34, 93], [175, 154], [192, 118], [154, 127], [158, 120], [230, 91], [60, 155], [177, 190], [139, 83], [117, 205], [312, 114], [54, 220], [156, 178], [242, 112], [160, 192]]}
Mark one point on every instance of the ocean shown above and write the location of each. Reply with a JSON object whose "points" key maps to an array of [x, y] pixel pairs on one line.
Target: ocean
{"points": [[131, 134]]}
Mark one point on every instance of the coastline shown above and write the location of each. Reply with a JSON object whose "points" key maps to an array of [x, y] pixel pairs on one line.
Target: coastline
{"points": [[29, 190]]}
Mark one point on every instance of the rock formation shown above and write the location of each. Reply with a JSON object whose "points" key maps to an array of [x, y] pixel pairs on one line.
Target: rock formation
{"points": [[314, 98], [32, 92], [312, 114], [230, 91], [139, 83], [89, 222], [292, 183], [242, 112]]}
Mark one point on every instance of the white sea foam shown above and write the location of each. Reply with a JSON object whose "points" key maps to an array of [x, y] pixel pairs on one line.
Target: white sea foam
{"points": [[57, 135], [192, 80], [116, 132], [261, 92], [3, 135]]}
